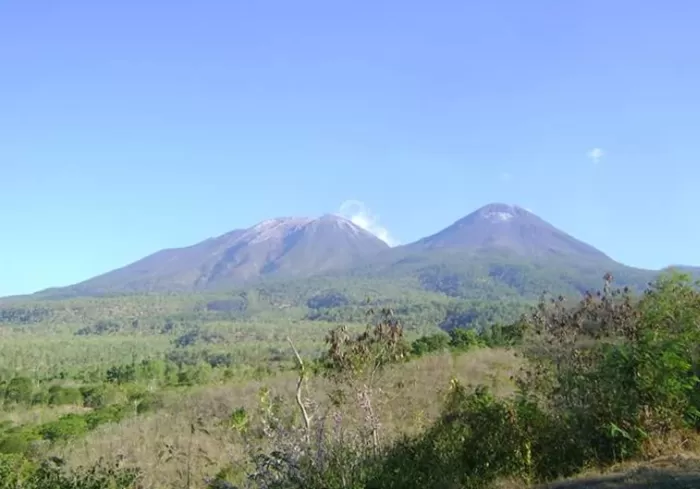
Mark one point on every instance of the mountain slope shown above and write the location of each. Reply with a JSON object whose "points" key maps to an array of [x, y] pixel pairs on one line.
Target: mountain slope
{"points": [[282, 247]]}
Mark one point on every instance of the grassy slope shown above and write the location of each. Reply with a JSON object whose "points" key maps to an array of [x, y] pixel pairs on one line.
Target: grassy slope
{"points": [[412, 400]]}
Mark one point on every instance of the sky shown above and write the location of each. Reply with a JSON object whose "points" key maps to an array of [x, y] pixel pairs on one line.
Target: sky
{"points": [[127, 127]]}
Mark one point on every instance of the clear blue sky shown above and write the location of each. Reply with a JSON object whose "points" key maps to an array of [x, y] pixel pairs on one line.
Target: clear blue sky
{"points": [[130, 126]]}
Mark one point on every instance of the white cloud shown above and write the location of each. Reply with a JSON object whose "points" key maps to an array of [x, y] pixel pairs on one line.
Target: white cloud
{"points": [[595, 155], [506, 176], [362, 216]]}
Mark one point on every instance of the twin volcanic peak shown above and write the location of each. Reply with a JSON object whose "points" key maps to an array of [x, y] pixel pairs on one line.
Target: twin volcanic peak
{"points": [[291, 247]]}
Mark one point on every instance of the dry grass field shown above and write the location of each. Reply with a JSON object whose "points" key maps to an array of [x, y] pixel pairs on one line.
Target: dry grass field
{"points": [[170, 454]]}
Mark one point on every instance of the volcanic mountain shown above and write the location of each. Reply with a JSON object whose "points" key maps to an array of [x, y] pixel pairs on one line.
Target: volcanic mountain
{"points": [[496, 251], [503, 250], [507, 228], [284, 247]]}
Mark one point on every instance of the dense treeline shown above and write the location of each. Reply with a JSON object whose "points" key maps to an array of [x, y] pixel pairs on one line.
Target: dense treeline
{"points": [[170, 315]]}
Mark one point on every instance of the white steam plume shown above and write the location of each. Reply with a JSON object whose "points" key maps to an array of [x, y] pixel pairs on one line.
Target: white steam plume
{"points": [[361, 216]]}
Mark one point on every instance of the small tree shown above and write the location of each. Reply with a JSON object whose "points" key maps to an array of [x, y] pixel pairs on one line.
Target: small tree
{"points": [[357, 361]]}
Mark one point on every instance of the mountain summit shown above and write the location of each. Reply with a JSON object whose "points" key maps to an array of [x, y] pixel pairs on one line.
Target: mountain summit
{"points": [[284, 247], [509, 228]]}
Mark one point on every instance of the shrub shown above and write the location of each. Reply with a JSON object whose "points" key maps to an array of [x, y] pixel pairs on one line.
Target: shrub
{"points": [[429, 344], [149, 402], [14, 471], [40, 397], [52, 474], [97, 396], [107, 414], [19, 390], [59, 395], [465, 339], [616, 372], [65, 427], [476, 440], [17, 441]]}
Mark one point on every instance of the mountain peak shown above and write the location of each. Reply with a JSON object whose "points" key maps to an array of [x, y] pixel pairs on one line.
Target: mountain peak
{"points": [[510, 228], [498, 212]]}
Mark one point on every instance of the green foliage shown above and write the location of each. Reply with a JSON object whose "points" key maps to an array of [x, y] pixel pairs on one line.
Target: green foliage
{"points": [[59, 395], [620, 371], [17, 441], [97, 396], [465, 339], [476, 441], [107, 414], [500, 335], [19, 391], [65, 427], [17, 472], [480, 314], [24, 315], [429, 344], [239, 420], [328, 300], [102, 327]]}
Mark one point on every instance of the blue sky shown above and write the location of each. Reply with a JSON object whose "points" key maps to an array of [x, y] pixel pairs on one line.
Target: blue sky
{"points": [[127, 127]]}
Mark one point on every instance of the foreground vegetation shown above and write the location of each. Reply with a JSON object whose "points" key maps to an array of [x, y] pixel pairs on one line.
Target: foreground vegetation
{"points": [[564, 390]]}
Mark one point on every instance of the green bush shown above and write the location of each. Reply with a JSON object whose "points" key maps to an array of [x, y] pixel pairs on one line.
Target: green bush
{"points": [[429, 344], [59, 395], [465, 339], [15, 470], [17, 441], [618, 372], [149, 403], [97, 396], [107, 414], [19, 391], [40, 397], [65, 427], [476, 441]]}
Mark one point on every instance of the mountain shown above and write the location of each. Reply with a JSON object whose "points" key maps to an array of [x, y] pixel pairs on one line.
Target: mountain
{"points": [[283, 247], [507, 228], [501, 251], [495, 252]]}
